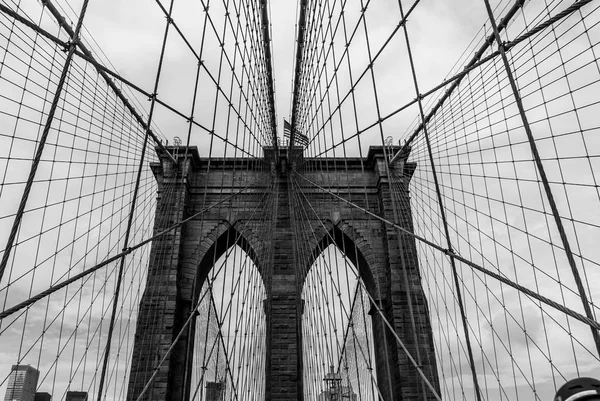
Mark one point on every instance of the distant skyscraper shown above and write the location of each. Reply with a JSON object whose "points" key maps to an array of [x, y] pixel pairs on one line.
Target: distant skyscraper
{"points": [[22, 383], [215, 391], [43, 397], [77, 396]]}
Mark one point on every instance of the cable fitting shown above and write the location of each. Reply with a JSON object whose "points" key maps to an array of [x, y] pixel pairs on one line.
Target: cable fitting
{"points": [[75, 41], [449, 252]]}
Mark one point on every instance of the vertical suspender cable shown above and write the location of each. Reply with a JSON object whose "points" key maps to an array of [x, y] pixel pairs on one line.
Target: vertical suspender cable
{"points": [[298, 72], [269, 69], [476, 58], [132, 210], [40, 149], [543, 177], [118, 93], [443, 215]]}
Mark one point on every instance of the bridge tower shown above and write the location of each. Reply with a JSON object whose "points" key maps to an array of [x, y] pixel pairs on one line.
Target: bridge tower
{"points": [[181, 260]]}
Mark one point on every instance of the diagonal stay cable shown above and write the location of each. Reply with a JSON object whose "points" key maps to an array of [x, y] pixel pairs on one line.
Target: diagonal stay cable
{"points": [[33, 26], [387, 323], [457, 288], [477, 60], [568, 311], [116, 257], [457, 78], [348, 315], [401, 343], [350, 327], [107, 73], [220, 337], [337, 66], [132, 212], [78, 43], [488, 42], [195, 312], [42, 142], [542, 173]]}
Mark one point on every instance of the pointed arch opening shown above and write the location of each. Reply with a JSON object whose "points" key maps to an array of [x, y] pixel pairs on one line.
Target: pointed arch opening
{"points": [[219, 243], [227, 355], [338, 345]]}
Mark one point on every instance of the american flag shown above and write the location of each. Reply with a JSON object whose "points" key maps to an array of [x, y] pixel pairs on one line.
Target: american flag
{"points": [[300, 139]]}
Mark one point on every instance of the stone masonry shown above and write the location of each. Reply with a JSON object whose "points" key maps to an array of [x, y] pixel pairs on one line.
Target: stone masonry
{"points": [[180, 262]]}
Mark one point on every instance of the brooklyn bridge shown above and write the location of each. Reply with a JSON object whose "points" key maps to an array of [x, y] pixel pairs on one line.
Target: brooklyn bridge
{"points": [[413, 214]]}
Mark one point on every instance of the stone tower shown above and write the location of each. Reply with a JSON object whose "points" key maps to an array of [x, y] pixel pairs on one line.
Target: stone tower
{"points": [[180, 261]]}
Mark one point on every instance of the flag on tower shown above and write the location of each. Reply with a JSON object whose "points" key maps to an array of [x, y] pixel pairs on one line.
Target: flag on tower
{"points": [[300, 139], [287, 129]]}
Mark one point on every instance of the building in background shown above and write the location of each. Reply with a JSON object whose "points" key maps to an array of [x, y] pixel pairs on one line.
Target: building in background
{"points": [[334, 390], [22, 383], [342, 393], [77, 396], [42, 397], [215, 391]]}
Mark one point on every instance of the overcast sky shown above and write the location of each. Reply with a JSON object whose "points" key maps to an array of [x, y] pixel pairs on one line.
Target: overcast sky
{"points": [[490, 188]]}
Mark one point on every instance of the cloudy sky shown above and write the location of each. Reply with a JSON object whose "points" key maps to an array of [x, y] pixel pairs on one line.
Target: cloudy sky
{"points": [[497, 211]]}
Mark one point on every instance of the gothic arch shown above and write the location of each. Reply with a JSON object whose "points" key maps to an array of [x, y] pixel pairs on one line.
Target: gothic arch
{"points": [[215, 244], [281, 251], [222, 237], [359, 251], [351, 244]]}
